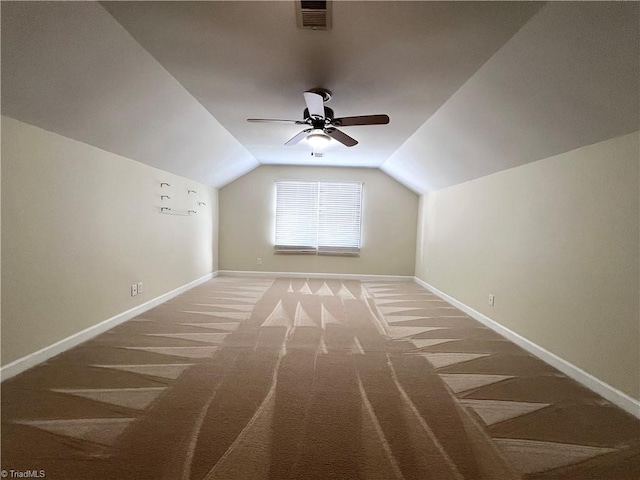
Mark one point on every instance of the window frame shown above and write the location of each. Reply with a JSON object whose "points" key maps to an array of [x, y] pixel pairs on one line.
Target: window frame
{"points": [[352, 250]]}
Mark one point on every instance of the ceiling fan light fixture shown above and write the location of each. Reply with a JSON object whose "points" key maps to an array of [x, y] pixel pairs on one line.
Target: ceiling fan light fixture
{"points": [[318, 139]]}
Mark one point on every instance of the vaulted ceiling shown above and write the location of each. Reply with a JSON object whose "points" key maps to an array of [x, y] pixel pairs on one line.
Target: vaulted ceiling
{"points": [[471, 88]]}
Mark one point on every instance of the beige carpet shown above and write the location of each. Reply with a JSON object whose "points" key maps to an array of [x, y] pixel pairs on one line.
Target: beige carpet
{"points": [[253, 378]]}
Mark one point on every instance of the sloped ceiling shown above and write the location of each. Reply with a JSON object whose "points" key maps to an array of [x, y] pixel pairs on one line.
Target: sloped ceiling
{"points": [[471, 87], [568, 78]]}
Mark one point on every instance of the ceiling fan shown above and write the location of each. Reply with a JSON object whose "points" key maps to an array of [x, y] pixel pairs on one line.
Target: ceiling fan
{"points": [[322, 124]]}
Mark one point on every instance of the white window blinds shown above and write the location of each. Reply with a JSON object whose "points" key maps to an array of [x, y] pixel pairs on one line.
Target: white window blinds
{"points": [[318, 217]]}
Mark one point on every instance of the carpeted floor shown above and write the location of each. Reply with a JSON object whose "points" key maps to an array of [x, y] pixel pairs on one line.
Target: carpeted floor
{"points": [[254, 378]]}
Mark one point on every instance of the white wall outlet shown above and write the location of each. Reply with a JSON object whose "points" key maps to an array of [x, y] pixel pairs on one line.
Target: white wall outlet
{"points": [[259, 261], [139, 287], [492, 299], [134, 289]]}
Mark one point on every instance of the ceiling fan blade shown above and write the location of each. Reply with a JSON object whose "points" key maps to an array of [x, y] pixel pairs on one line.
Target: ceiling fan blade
{"points": [[341, 137], [299, 137], [274, 120], [315, 104], [361, 120]]}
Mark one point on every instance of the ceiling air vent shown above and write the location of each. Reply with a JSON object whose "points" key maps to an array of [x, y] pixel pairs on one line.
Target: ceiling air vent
{"points": [[313, 14]]}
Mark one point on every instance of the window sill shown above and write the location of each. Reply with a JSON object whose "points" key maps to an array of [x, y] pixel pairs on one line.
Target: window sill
{"points": [[315, 252]]}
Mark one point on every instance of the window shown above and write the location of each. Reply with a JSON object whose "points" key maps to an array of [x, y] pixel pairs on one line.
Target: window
{"points": [[318, 217]]}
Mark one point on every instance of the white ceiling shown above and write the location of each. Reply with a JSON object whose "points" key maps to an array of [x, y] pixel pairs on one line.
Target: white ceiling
{"points": [[471, 87]]}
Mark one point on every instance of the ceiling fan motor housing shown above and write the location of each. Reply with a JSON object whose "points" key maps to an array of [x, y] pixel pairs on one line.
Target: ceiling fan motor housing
{"points": [[319, 122]]}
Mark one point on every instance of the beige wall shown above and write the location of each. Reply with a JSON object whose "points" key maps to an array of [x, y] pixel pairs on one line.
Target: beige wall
{"points": [[80, 225], [247, 213], [557, 243]]}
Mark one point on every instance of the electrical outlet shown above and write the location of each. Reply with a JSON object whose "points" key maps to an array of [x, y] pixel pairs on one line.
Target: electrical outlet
{"points": [[134, 289], [492, 299], [259, 262], [139, 287]]}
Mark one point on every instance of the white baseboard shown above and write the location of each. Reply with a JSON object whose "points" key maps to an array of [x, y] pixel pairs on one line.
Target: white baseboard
{"points": [[20, 365], [349, 276], [612, 394]]}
